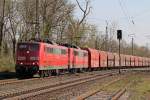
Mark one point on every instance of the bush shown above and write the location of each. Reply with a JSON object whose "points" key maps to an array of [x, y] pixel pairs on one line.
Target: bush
{"points": [[7, 64]]}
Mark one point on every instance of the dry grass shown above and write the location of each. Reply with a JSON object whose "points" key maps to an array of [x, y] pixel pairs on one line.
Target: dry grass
{"points": [[139, 90], [6, 64], [119, 84]]}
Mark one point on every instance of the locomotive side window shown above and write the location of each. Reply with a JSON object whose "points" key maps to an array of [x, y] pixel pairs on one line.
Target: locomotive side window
{"points": [[48, 50], [63, 51], [81, 54], [56, 51]]}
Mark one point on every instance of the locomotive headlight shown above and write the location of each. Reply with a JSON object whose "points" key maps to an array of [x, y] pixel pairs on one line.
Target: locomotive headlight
{"points": [[34, 58], [21, 58], [33, 63]]}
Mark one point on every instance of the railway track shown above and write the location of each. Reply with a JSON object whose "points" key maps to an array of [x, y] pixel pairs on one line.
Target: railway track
{"points": [[6, 80], [121, 91], [69, 92], [118, 94], [73, 91], [98, 91], [15, 81], [25, 91], [100, 94]]}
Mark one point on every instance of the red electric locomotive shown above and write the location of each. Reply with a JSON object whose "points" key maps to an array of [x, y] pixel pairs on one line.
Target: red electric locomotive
{"points": [[47, 59], [78, 59]]}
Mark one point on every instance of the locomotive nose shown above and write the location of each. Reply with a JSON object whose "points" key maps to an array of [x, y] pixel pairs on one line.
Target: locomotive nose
{"points": [[27, 58], [28, 53]]}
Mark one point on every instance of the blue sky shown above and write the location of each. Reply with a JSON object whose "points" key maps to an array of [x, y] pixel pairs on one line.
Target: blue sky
{"points": [[122, 13]]}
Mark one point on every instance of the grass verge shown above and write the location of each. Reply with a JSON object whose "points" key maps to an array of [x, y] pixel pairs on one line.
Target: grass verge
{"points": [[139, 90], [7, 64]]}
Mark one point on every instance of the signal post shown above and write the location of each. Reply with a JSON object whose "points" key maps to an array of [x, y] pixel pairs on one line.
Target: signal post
{"points": [[119, 37]]}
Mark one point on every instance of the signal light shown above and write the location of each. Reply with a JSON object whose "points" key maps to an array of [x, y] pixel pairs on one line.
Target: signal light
{"points": [[119, 34]]}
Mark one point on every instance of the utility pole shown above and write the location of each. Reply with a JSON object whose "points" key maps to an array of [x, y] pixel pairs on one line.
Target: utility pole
{"points": [[96, 42], [132, 45], [119, 57], [148, 37], [106, 38], [132, 42], [37, 33]]}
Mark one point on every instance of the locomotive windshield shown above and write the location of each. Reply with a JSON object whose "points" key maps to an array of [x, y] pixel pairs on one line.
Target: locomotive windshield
{"points": [[22, 47], [28, 46], [34, 47]]}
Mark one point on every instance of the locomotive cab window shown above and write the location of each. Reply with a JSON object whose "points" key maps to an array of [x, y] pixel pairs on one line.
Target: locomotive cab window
{"points": [[34, 47], [22, 46]]}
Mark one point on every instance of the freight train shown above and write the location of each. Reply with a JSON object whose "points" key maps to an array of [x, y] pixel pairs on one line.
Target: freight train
{"points": [[45, 59]]}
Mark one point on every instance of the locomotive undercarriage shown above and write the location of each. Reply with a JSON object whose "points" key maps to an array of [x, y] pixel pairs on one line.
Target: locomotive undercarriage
{"points": [[29, 71], [26, 70]]}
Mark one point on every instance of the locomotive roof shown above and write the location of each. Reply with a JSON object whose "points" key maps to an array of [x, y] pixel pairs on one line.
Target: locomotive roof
{"points": [[69, 45], [27, 42]]}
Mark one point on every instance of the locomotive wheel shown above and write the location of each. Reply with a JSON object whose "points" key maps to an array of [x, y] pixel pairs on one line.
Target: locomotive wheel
{"points": [[78, 70], [49, 73], [30, 76], [55, 72], [18, 75]]}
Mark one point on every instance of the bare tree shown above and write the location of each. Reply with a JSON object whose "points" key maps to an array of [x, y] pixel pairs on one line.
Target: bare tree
{"points": [[77, 26], [2, 23], [12, 24], [85, 11], [53, 16]]}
